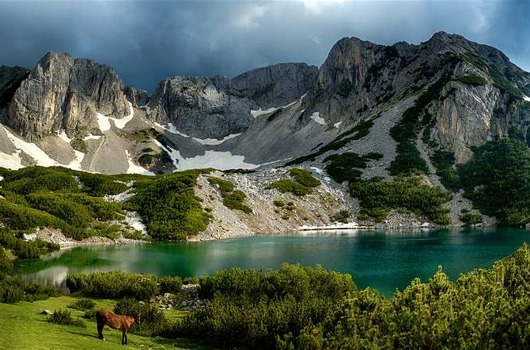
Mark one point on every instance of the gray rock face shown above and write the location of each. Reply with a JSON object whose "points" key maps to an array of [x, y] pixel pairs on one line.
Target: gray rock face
{"points": [[275, 85], [10, 80], [216, 107], [480, 96], [359, 78], [200, 107], [63, 92]]}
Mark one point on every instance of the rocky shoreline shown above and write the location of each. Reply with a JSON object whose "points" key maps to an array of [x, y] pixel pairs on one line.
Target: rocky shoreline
{"points": [[57, 237]]}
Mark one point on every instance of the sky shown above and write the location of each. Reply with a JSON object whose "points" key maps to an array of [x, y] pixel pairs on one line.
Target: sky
{"points": [[147, 41]]}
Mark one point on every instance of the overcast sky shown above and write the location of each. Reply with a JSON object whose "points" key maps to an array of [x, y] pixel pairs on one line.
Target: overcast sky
{"points": [[146, 41]]}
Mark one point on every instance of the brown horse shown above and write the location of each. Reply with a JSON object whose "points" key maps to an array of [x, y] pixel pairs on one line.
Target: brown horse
{"points": [[123, 322]]}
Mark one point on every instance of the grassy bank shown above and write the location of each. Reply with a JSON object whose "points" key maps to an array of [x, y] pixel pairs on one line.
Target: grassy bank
{"points": [[23, 327]]}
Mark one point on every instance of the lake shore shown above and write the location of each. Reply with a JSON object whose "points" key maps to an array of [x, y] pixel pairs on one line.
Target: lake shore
{"points": [[57, 237]]}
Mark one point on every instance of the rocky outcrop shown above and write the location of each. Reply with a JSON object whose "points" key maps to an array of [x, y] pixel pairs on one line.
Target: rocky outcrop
{"points": [[200, 107], [275, 85], [65, 93], [217, 107], [10, 80]]}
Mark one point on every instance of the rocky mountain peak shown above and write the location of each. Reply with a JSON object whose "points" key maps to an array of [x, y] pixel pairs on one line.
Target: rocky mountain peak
{"points": [[65, 93], [347, 63]]}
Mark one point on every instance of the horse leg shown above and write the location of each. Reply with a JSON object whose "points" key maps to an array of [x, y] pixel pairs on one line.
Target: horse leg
{"points": [[124, 337], [101, 323]]}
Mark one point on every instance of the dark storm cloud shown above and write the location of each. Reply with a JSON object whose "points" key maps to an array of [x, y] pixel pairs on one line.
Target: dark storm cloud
{"points": [[146, 41]]}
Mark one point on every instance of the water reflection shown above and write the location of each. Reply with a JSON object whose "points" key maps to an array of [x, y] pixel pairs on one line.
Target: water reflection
{"points": [[385, 260]]}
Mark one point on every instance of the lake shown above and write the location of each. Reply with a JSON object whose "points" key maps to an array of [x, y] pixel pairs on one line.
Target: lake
{"points": [[385, 260]]}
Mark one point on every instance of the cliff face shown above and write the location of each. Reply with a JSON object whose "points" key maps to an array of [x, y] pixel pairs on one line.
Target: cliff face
{"points": [[200, 107], [65, 93], [217, 107], [482, 95], [287, 110]]}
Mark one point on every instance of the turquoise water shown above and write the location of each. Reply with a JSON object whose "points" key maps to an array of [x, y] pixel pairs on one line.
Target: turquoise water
{"points": [[385, 260]]}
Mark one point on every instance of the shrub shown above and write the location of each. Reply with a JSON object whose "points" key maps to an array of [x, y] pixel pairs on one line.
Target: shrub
{"points": [[342, 216], [497, 179], [345, 166], [472, 79], [279, 203], [378, 197], [232, 198], [304, 177], [169, 284], [113, 285], [408, 160], [251, 308], [373, 155], [153, 321], [288, 185], [64, 317], [168, 206], [471, 219], [83, 304], [145, 159], [360, 130]]}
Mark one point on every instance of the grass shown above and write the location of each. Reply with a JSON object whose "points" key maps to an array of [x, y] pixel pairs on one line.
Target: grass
{"points": [[23, 327]]}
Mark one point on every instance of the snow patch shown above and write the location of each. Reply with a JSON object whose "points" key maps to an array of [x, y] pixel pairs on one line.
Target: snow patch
{"points": [[120, 123], [209, 142], [318, 119], [147, 109], [259, 112], [32, 150], [214, 142], [11, 161], [336, 125], [526, 98], [92, 137], [317, 170], [64, 137], [103, 122], [135, 169], [211, 159]]}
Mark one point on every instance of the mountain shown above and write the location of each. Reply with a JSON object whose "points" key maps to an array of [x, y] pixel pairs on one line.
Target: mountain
{"points": [[369, 111]]}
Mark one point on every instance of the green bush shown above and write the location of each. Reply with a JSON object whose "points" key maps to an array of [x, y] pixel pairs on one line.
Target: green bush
{"points": [[145, 159], [168, 206], [342, 216], [232, 198], [64, 317], [13, 290], [279, 203], [408, 160], [360, 130], [99, 185], [169, 284], [83, 304], [497, 179], [252, 308], [288, 185], [304, 177], [444, 162], [471, 219], [373, 155], [378, 197], [345, 166], [113, 285], [153, 321], [472, 79], [303, 308]]}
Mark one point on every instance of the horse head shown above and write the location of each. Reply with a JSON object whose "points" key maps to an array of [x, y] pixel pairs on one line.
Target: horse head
{"points": [[137, 317]]}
